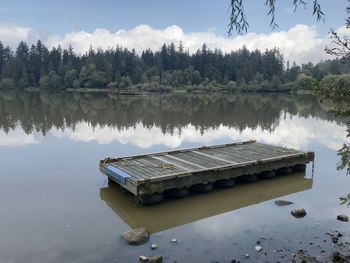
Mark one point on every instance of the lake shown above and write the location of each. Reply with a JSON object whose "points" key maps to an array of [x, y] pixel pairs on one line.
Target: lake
{"points": [[56, 206]]}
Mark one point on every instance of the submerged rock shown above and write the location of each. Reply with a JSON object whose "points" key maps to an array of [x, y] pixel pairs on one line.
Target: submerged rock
{"points": [[154, 259], [306, 257], [154, 246], [143, 259], [298, 212], [337, 257], [135, 237], [258, 248], [343, 218], [335, 240], [283, 203]]}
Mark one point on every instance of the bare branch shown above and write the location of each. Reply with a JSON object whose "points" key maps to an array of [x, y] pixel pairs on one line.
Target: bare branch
{"points": [[341, 46]]}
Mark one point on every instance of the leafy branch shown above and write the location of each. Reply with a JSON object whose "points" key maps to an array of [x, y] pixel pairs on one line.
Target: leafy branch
{"points": [[238, 21], [344, 154], [345, 200], [237, 18]]}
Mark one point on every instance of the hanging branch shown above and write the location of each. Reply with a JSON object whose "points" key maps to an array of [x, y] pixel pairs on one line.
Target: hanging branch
{"points": [[238, 21], [237, 18], [348, 19], [271, 5]]}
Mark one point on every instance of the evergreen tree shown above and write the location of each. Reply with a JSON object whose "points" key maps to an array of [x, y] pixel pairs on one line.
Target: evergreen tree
{"points": [[169, 67]]}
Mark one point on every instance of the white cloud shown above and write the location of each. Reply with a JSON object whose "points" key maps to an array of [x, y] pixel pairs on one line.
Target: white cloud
{"points": [[300, 43], [12, 34]]}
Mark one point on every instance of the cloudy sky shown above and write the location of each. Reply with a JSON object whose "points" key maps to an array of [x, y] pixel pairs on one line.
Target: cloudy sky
{"points": [[144, 24]]}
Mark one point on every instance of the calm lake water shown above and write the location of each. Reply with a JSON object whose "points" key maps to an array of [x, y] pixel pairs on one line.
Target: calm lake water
{"points": [[56, 206]]}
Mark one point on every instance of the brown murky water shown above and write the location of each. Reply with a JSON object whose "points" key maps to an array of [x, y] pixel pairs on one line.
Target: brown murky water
{"points": [[57, 207]]}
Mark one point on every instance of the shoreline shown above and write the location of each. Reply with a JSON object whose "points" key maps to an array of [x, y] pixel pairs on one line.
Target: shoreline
{"points": [[130, 92]]}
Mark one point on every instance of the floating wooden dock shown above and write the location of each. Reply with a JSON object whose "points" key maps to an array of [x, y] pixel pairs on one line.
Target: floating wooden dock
{"points": [[150, 177]]}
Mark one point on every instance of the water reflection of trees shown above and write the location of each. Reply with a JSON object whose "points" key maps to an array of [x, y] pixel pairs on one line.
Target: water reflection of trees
{"points": [[341, 107], [44, 111]]}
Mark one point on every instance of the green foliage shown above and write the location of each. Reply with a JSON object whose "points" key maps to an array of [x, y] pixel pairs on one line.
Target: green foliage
{"points": [[55, 81], [84, 75], [275, 83], [44, 82], [334, 86], [7, 83], [125, 82], [69, 78], [304, 82], [344, 154], [231, 85], [96, 80], [76, 84], [259, 78]]}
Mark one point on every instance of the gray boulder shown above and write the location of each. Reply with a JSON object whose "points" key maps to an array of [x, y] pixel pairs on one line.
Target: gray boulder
{"points": [[298, 212], [135, 237], [343, 218]]}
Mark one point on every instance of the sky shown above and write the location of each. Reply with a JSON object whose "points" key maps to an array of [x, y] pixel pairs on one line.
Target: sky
{"points": [[142, 24]]}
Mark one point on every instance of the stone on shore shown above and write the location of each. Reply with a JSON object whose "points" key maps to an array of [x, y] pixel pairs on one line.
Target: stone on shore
{"points": [[298, 212], [135, 237]]}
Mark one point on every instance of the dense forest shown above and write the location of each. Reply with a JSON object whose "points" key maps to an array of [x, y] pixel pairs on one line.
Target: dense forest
{"points": [[172, 67]]}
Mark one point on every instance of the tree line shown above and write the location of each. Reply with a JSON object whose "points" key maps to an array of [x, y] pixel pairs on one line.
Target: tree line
{"points": [[171, 67]]}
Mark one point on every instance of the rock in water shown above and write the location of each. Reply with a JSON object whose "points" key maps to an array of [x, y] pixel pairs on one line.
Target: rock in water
{"points": [[143, 259], [343, 218], [283, 203], [154, 246], [258, 248], [298, 212], [135, 237], [156, 259]]}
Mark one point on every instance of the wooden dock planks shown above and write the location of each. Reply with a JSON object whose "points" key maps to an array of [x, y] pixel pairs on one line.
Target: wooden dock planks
{"points": [[155, 173]]}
